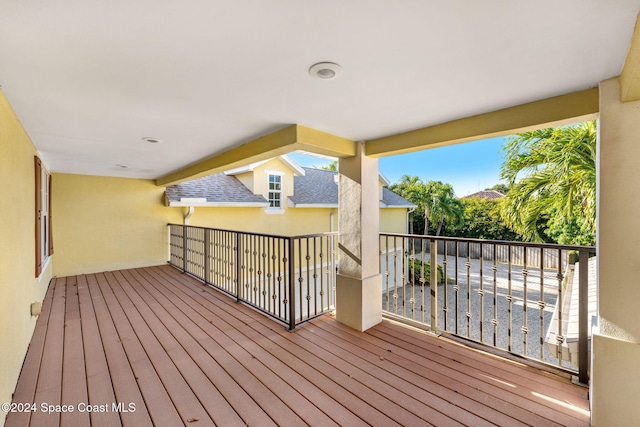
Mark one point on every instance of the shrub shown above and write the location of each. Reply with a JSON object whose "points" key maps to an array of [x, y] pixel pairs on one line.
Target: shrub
{"points": [[416, 270]]}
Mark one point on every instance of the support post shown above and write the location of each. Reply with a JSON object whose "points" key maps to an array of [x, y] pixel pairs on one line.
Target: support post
{"points": [[184, 248], [433, 284], [239, 285], [291, 283], [583, 321], [207, 255], [359, 283]]}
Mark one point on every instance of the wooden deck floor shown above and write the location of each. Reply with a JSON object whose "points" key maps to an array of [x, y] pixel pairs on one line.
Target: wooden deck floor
{"points": [[174, 352]]}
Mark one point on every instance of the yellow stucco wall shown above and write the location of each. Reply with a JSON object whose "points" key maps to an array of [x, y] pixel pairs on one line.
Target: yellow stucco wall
{"points": [[291, 223], [18, 285], [104, 223], [393, 220], [295, 221]]}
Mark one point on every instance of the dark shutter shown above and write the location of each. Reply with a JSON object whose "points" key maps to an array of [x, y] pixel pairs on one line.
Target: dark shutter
{"points": [[49, 226], [38, 176]]}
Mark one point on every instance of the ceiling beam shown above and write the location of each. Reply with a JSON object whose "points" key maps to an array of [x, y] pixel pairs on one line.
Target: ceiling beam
{"points": [[630, 77], [556, 111], [283, 141]]}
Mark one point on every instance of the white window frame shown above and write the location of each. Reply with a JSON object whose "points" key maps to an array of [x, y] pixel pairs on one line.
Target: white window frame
{"points": [[279, 192], [44, 218], [44, 247]]}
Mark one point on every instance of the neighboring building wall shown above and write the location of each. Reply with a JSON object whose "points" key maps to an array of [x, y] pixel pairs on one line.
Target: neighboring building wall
{"points": [[103, 223], [393, 220], [18, 285], [293, 222], [615, 371]]}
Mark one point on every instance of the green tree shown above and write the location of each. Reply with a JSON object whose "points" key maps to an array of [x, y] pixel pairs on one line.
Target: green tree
{"points": [[483, 220], [333, 166], [442, 205], [437, 204], [552, 178]]}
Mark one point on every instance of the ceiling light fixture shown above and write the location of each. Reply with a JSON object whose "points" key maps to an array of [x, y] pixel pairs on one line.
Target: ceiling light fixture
{"points": [[325, 70], [123, 166], [152, 140]]}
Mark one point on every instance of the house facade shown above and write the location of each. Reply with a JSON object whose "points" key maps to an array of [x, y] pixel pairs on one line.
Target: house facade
{"points": [[276, 196]]}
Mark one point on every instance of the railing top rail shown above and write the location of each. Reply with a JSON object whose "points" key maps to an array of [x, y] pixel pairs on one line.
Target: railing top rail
{"points": [[497, 242], [278, 236]]}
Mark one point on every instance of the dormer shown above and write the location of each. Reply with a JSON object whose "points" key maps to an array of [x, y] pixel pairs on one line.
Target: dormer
{"points": [[272, 179]]}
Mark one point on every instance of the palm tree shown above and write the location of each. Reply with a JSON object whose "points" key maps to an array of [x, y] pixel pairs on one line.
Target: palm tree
{"points": [[551, 172], [434, 199], [442, 204]]}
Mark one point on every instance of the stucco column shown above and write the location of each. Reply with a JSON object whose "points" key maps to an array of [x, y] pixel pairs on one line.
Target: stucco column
{"points": [[615, 369], [359, 283]]}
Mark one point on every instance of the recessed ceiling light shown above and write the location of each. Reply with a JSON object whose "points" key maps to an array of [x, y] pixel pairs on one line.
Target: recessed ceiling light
{"points": [[123, 166], [151, 140], [325, 70]]}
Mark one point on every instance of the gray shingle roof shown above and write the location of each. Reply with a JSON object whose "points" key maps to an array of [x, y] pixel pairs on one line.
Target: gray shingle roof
{"points": [[318, 187], [217, 188], [391, 199], [486, 194]]}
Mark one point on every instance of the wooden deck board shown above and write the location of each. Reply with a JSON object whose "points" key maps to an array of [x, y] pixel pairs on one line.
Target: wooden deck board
{"points": [[49, 386], [320, 369], [250, 411], [26, 387], [74, 380], [303, 377], [186, 354], [186, 402], [120, 373], [510, 387], [157, 401], [212, 400], [99, 381]]}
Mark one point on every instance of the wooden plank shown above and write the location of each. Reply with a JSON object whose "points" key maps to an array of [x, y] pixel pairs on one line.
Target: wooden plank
{"points": [[482, 407], [273, 395], [49, 386], [466, 398], [501, 369], [184, 399], [243, 403], [74, 376], [101, 342], [511, 401], [166, 329], [508, 370], [162, 339], [389, 402], [317, 371], [311, 387], [161, 409], [99, 381], [528, 370], [26, 387]]}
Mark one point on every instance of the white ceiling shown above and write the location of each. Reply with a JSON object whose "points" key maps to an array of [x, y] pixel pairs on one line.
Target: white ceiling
{"points": [[90, 78]]}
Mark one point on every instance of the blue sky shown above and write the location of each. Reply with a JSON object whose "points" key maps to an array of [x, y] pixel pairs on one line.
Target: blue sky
{"points": [[469, 167]]}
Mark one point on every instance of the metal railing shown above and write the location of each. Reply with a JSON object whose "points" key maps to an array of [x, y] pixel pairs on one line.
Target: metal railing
{"points": [[291, 279], [514, 296]]}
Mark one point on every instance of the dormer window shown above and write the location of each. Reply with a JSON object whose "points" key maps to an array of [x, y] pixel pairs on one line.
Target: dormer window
{"points": [[275, 192]]}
